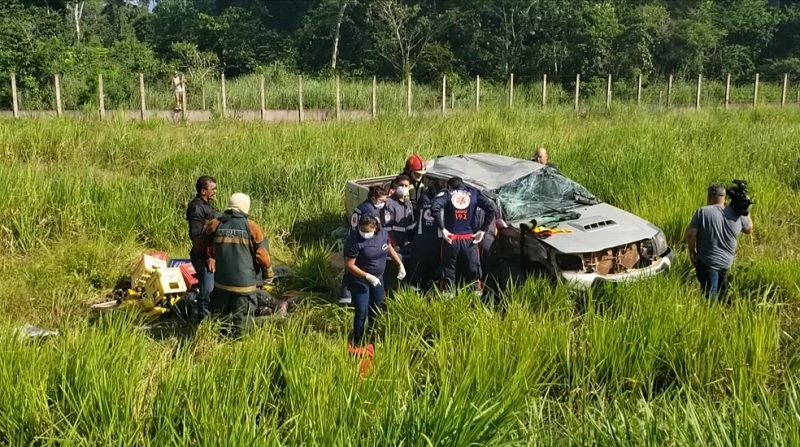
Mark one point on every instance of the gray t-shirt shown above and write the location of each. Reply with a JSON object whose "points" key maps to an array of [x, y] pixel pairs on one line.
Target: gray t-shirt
{"points": [[717, 230]]}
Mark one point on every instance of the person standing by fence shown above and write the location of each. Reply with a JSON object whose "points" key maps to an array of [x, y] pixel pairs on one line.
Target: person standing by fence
{"points": [[178, 86]]}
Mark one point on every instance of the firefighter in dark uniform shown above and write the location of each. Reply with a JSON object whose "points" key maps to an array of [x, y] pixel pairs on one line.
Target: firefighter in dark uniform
{"points": [[240, 256], [426, 246], [415, 168], [454, 210], [198, 213], [373, 206]]}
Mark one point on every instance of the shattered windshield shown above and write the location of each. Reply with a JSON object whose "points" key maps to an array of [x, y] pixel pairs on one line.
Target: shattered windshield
{"points": [[545, 191]]}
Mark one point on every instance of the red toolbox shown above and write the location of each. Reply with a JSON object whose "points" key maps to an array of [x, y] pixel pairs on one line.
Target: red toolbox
{"points": [[189, 275]]}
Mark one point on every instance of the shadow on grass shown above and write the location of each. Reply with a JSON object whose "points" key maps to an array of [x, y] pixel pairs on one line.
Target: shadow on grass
{"points": [[316, 230]]}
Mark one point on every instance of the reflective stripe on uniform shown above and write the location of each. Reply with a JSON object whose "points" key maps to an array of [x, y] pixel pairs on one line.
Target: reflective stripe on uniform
{"points": [[235, 289]]}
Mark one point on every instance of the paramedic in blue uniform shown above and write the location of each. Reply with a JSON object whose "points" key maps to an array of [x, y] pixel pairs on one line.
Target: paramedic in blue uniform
{"points": [[373, 206], [454, 210], [426, 246], [399, 221], [365, 260], [399, 213]]}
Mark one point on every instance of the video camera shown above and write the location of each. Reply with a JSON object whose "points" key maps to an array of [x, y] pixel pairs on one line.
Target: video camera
{"points": [[740, 201]]}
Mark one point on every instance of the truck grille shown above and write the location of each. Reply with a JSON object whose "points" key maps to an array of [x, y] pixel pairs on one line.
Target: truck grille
{"points": [[614, 260]]}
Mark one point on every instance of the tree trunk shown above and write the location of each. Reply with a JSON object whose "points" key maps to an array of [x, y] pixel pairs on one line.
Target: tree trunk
{"points": [[77, 13], [336, 34]]}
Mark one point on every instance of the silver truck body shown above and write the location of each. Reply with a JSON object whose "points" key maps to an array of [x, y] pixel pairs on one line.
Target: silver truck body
{"points": [[605, 244]]}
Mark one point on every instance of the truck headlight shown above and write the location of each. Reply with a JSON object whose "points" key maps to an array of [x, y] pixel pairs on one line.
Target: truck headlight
{"points": [[660, 243]]}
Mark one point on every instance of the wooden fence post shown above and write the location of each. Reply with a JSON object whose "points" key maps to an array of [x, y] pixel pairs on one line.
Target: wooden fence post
{"points": [[477, 92], [511, 91], [374, 97], [224, 96], [300, 112], [639, 91], [408, 96], [544, 90], [699, 86], [100, 97], [608, 93], [784, 89], [142, 106], [444, 93], [14, 100], [669, 92], [338, 98], [755, 93], [577, 91], [183, 102], [58, 96], [453, 99], [727, 91], [263, 98]]}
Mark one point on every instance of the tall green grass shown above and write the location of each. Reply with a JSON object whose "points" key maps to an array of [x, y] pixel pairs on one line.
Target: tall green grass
{"points": [[651, 363]]}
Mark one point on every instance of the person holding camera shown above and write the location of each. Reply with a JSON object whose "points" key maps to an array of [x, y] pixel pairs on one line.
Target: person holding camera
{"points": [[711, 238]]}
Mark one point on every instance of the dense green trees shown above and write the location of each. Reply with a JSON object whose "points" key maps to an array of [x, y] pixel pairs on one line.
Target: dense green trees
{"points": [[390, 38]]}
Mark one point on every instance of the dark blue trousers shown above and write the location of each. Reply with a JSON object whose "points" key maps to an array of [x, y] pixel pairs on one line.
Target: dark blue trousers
{"points": [[367, 301], [461, 257]]}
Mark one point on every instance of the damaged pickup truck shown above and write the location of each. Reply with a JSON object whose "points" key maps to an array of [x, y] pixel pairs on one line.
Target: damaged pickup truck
{"points": [[547, 223]]}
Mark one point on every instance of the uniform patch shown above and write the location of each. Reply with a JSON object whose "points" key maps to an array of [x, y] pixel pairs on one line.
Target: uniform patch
{"points": [[385, 247], [440, 194], [427, 215], [354, 220], [387, 216], [460, 199]]}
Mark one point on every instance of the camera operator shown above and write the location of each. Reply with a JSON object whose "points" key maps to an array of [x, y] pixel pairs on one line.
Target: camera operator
{"points": [[711, 239]]}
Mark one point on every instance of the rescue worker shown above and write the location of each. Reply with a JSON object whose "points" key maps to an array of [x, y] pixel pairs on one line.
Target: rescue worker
{"points": [[454, 210], [415, 168], [240, 255], [399, 213], [365, 260], [373, 206], [198, 213], [426, 246]]}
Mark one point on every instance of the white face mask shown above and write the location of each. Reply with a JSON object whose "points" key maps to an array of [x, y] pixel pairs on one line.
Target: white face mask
{"points": [[402, 191], [379, 206], [366, 235]]}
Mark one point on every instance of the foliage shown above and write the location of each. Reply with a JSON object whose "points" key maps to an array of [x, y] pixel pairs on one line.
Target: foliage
{"points": [[393, 38]]}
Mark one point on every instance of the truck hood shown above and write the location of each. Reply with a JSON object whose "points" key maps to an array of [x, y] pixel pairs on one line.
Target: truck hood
{"points": [[600, 227]]}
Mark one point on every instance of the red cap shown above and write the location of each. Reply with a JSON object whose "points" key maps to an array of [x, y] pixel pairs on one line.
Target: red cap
{"points": [[415, 163]]}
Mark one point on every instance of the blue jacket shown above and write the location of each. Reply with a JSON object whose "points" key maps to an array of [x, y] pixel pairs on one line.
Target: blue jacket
{"points": [[455, 209]]}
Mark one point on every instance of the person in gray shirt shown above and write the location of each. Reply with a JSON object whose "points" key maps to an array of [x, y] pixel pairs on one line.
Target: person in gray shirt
{"points": [[711, 240]]}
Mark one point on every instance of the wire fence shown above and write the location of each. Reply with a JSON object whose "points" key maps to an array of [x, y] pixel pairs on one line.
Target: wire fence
{"points": [[285, 97]]}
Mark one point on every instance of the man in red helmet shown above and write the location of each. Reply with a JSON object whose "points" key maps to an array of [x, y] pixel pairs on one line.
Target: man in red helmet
{"points": [[415, 169]]}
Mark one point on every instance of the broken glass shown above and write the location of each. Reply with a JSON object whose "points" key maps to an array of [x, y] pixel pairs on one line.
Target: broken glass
{"points": [[545, 191]]}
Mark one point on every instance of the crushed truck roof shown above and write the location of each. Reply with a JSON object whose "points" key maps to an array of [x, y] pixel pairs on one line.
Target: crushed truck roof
{"points": [[483, 170]]}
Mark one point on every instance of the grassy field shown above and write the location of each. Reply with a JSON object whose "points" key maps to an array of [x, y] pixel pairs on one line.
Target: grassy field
{"points": [[122, 93], [652, 363]]}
